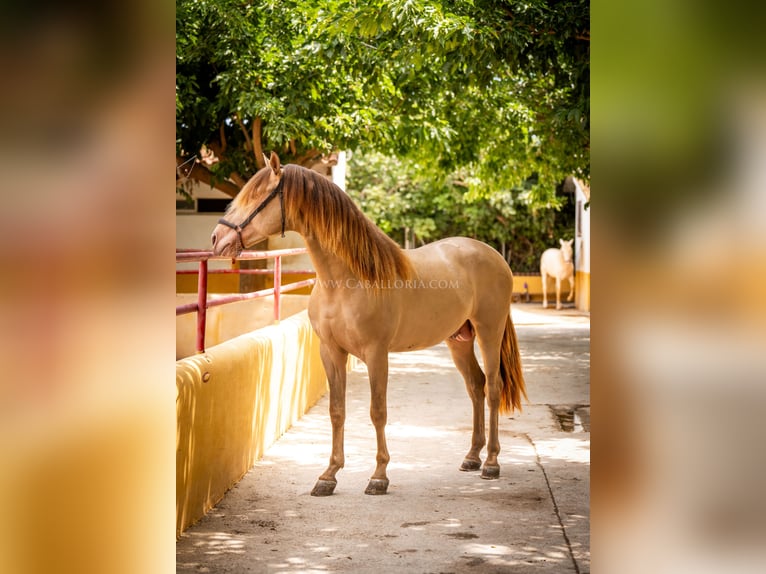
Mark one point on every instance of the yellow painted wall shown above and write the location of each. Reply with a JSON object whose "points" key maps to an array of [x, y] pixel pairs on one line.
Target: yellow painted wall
{"points": [[534, 285], [228, 321], [233, 402], [229, 282], [216, 283], [582, 290]]}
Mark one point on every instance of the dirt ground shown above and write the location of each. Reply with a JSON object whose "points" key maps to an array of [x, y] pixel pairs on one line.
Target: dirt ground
{"points": [[434, 519]]}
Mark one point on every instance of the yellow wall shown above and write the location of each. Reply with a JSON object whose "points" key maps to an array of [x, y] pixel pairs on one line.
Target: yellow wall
{"points": [[228, 321], [229, 282], [582, 290], [216, 283], [533, 284], [233, 402]]}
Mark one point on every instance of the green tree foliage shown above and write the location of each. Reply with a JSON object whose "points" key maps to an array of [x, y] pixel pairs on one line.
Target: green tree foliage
{"points": [[414, 204], [493, 93]]}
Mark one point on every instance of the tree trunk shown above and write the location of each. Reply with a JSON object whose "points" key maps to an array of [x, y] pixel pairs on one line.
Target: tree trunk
{"points": [[258, 142]]}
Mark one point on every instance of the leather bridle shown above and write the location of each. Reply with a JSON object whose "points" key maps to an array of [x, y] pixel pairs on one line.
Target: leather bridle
{"points": [[261, 206]]}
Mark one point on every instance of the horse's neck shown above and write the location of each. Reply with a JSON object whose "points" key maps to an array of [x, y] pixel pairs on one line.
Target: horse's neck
{"points": [[327, 265], [562, 260]]}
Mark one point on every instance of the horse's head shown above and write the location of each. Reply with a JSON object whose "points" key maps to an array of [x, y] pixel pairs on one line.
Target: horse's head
{"points": [[256, 212], [566, 249]]}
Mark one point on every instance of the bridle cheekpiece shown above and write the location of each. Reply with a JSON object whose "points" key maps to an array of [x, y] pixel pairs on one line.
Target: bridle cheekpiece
{"points": [[261, 206]]}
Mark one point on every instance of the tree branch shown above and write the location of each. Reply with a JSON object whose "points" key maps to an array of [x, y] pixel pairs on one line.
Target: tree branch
{"points": [[248, 141], [309, 158], [223, 139], [197, 171], [257, 142], [238, 179]]}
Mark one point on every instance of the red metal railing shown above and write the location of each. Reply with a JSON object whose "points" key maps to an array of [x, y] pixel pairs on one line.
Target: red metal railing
{"points": [[204, 303]]}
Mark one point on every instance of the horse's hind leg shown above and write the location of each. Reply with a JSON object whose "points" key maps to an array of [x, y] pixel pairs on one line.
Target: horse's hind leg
{"points": [[377, 368], [490, 337], [334, 361], [466, 363]]}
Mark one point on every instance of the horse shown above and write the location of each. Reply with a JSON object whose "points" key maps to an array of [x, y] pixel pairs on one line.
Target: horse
{"points": [[557, 263], [371, 298]]}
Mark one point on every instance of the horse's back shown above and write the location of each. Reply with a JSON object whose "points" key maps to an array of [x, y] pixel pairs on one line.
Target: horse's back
{"points": [[470, 265], [458, 246], [461, 252]]}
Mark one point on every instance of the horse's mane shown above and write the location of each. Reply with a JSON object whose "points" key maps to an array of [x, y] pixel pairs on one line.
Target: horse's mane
{"points": [[339, 226]]}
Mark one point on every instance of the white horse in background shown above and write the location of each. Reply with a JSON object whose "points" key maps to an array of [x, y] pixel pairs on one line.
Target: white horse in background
{"points": [[558, 264]]}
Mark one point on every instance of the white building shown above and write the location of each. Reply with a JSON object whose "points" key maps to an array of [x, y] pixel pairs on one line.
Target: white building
{"points": [[582, 246]]}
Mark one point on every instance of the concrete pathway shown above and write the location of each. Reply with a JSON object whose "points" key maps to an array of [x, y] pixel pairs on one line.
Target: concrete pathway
{"points": [[435, 519]]}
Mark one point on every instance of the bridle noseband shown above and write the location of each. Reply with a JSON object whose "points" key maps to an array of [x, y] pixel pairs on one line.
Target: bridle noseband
{"points": [[261, 206]]}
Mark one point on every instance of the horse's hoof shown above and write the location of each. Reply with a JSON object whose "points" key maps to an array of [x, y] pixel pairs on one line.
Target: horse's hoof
{"points": [[469, 464], [324, 487], [490, 472], [377, 486]]}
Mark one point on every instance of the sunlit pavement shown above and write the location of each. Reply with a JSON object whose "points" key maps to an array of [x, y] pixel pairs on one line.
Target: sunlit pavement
{"points": [[535, 518]]}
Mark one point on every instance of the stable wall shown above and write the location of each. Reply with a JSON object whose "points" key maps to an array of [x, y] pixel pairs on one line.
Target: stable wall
{"points": [[228, 321], [216, 282], [582, 247], [193, 231], [582, 290], [233, 402], [534, 286]]}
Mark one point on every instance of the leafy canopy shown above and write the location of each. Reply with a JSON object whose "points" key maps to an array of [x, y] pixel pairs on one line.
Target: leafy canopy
{"points": [[493, 92], [412, 204]]}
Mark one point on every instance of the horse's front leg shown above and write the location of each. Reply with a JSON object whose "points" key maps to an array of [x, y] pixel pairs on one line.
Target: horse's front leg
{"points": [[571, 288], [334, 361], [377, 369], [558, 292]]}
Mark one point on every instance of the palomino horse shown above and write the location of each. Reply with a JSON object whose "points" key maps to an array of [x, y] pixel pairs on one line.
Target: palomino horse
{"points": [[558, 264], [371, 298]]}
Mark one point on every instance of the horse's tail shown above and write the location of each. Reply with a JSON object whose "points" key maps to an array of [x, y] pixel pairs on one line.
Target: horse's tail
{"points": [[510, 370]]}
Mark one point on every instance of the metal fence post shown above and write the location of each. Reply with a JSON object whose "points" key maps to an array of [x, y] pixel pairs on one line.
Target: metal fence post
{"points": [[201, 305], [277, 286]]}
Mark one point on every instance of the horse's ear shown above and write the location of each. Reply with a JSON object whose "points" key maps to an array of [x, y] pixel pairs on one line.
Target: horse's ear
{"points": [[562, 242], [273, 162]]}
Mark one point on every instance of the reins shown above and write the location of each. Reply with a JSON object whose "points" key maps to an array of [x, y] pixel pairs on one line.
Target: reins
{"points": [[261, 206]]}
